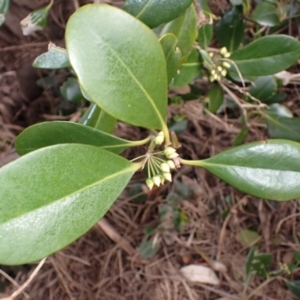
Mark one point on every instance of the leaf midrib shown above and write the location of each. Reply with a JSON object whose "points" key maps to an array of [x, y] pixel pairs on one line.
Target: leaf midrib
{"points": [[132, 168], [134, 78]]}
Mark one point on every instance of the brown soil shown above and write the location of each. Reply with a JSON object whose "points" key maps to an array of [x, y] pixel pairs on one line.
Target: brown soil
{"points": [[106, 263]]}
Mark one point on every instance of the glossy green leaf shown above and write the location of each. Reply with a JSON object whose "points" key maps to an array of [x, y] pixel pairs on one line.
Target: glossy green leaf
{"points": [[208, 63], [284, 128], [215, 97], [230, 30], [263, 88], [185, 29], [59, 132], [268, 169], [172, 54], [205, 34], [266, 56], [91, 116], [294, 287], [266, 14], [70, 90], [106, 122], [188, 70], [55, 58], [52, 196], [156, 12], [115, 57], [278, 110]]}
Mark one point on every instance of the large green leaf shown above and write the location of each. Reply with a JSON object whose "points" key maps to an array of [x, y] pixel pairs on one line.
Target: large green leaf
{"points": [[59, 132], [294, 287], [156, 12], [269, 170], [188, 70], [52, 196], [215, 97], [185, 29], [230, 30], [119, 63], [205, 35], [264, 87], [266, 56]]}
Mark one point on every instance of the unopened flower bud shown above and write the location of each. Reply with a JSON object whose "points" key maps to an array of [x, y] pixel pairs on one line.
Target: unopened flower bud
{"points": [[165, 168], [171, 164], [210, 54], [167, 176], [226, 65], [227, 54], [169, 151], [213, 72], [159, 139], [219, 68], [156, 180], [149, 183], [224, 72], [223, 50]]}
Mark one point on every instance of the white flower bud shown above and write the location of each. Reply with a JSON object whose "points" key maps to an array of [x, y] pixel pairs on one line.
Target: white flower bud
{"points": [[169, 151], [220, 68], [149, 183], [165, 168], [156, 179], [167, 176], [226, 65], [159, 139], [227, 54], [223, 50], [171, 164], [224, 72]]}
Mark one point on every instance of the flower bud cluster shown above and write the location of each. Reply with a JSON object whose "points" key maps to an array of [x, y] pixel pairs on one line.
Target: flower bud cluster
{"points": [[161, 174], [219, 70]]}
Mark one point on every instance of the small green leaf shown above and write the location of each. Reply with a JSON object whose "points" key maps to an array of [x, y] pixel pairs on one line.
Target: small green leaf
{"points": [[278, 110], [258, 263], [188, 70], [70, 90], [55, 58], [59, 132], [185, 29], [284, 128], [115, 63], [91, 116], [249, 237], [266, 14], [266, 56], [269, 169], [294, 287], [208, 63], [148, 249], [230, 30], [205, 34], [106, 122], [241, 137], [52, 196], [4, 6], [172, 54], [215, 97], [263, 88], [156, 12]]}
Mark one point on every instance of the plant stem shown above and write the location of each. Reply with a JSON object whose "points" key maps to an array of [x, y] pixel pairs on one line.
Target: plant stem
{"points": [[195, 163]]}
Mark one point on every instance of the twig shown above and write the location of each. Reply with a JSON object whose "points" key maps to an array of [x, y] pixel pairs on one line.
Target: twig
{"points": [[76, 4], [13, 282], [27, 282], [113, 235]]}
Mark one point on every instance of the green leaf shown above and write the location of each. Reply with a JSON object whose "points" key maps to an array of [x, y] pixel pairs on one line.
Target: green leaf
{"points": [[172, 54], [185, 29], [294, 287], [230, 30], [266, 56], [215, 97], [52, 196], [59, 132], [70, 90], [2, 19], [284, 128], [148, 249], [205, 35], [266, 14], [269, 169], [55, 58], [91, 116], [263, 88], [258, 263], [278, 110], [188, 70], [156, 12], [241, 137], [4, 6], [208, 63], [249, 237], [106, 122], [115, 63]]}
